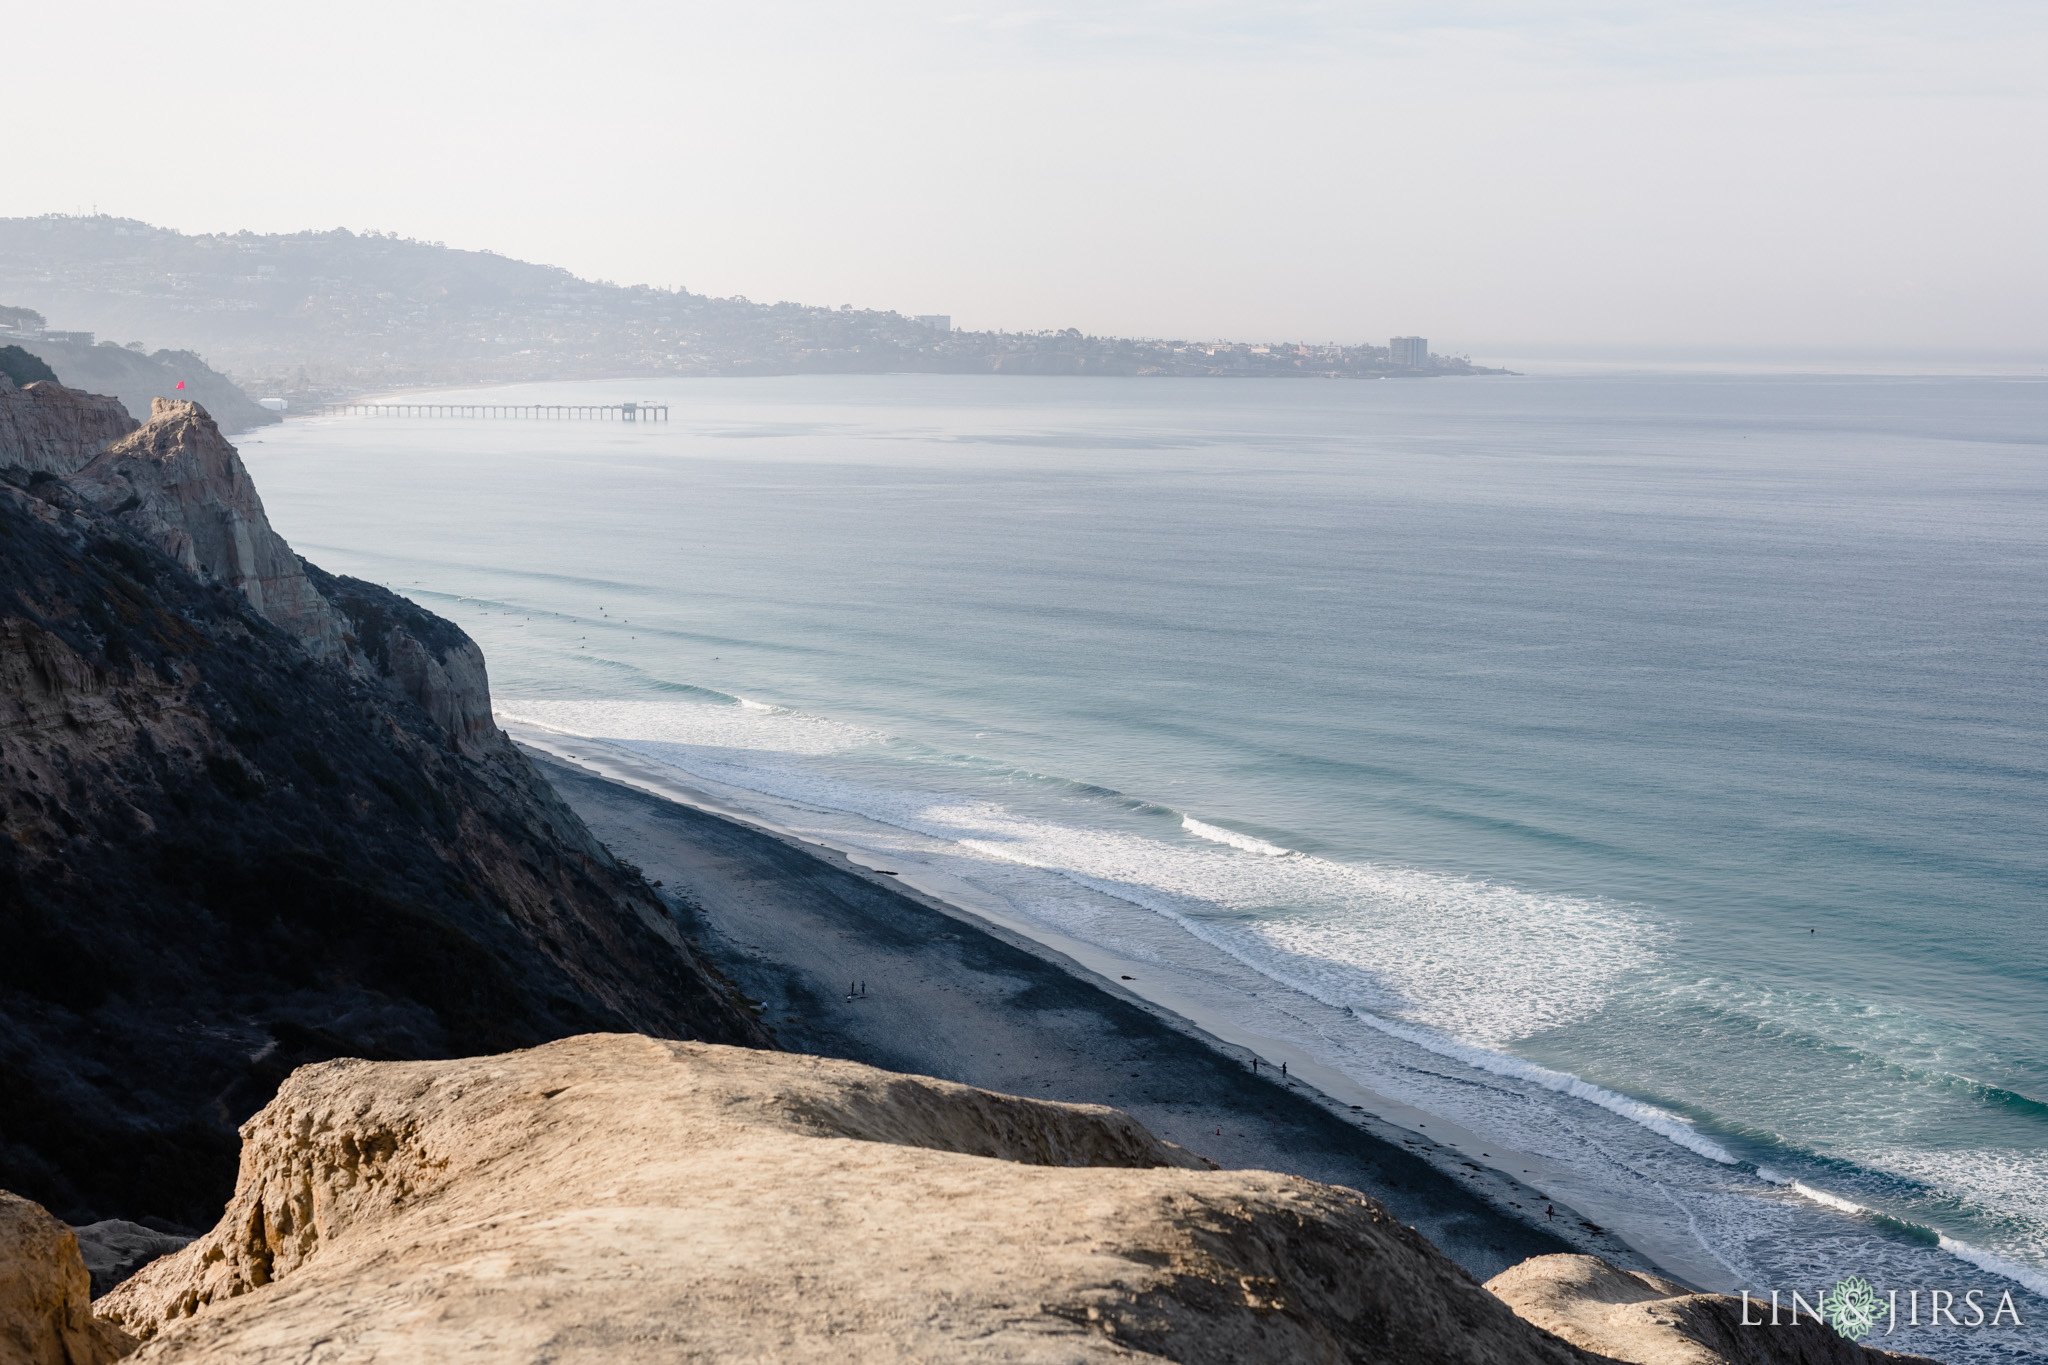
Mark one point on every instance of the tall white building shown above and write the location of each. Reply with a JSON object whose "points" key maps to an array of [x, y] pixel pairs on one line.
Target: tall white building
{"points": [[1412, 352]]}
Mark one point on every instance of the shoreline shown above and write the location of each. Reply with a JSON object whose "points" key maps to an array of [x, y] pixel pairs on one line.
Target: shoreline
{"points": [[750, 893]]}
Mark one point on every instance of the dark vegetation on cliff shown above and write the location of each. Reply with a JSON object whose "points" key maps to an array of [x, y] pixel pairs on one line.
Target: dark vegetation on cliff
{"points": [[228, 855], [23, 368]]}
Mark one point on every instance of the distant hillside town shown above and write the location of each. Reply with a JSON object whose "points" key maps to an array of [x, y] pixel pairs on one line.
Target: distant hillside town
{"points": [[30, 350], [301, 318]]}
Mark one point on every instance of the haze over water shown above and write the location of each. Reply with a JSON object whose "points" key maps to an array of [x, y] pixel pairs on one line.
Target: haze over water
{"points": [[1646, 773]]}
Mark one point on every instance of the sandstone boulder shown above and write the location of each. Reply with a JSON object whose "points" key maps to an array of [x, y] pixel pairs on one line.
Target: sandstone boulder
{"points": [[1645, 1320], [45, 1313], [617, 1198]]}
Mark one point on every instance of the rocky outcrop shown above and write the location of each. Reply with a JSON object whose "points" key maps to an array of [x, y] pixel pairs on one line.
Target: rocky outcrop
{"points": [[1629, 1316], [180, 484], [114, 1248], [237, 842], [617, 1198], [48, 429], [137, 379], [46, 1317], [417, 656]]}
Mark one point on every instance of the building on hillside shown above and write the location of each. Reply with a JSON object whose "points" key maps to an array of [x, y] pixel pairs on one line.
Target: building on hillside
{"points": [[938, 322], [1411, 352], [16, 323]]}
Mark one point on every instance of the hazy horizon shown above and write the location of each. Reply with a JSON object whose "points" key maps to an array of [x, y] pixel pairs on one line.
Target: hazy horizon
{"points": [[1573, 176]]}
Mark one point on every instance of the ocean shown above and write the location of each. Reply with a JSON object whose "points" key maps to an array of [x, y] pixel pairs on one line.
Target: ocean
{"points": [[1638, 777]]}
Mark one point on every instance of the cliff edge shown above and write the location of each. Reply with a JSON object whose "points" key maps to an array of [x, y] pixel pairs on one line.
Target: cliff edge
{"points": [[256, 816], [614, 1198]]}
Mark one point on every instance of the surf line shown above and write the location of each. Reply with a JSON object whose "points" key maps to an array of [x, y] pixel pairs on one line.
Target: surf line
{"points": [[1244, 842], [2031, 1280], [1672, 1127], [1662, 1122]]}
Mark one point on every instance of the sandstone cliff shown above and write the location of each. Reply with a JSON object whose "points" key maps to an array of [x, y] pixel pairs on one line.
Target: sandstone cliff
{"points": [[178, 483], [619, 1198], [249, 826], [1631, 1316], [48, 429], [45, 1316]]}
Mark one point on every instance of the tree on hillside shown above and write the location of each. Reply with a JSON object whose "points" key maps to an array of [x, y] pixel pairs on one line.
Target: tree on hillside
{"points": [[22, 367]]}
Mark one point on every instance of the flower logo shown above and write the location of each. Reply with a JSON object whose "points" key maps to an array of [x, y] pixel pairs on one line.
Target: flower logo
{"points": [[1851, 1307]]}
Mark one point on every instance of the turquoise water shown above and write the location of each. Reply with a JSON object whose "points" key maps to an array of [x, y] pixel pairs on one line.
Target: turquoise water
{"points": [[1645, 773]]}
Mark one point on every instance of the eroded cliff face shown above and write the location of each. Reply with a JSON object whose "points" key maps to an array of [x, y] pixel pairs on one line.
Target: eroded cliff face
{"points": [[178, 483], [617, 1198], [48, 429], [417, 657], [242, 836], [620, 1199]]}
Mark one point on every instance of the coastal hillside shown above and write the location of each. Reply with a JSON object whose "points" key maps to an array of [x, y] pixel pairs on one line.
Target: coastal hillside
{"points": [[256, 816], [138, 380], [309, 315], [130, 374]]}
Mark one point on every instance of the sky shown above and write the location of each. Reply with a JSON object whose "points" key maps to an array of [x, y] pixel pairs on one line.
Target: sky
{"points": [[1496, 176]]}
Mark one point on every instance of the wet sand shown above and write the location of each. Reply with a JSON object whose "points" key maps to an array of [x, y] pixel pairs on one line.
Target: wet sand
{"points": [[794, 925]]}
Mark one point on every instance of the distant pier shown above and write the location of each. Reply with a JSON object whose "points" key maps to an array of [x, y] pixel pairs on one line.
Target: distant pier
{"points": [[528, 412]]}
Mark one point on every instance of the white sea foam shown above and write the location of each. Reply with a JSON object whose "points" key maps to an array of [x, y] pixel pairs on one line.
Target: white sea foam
{"points": [[1822, 1197], [740, 725], [1462, 959], [1232, 838], [1997, 1265], [2014, 1184], [2031, 1279]]}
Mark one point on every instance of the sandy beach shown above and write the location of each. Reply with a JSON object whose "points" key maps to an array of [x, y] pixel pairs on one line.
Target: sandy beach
{"points": [[802, 929]]}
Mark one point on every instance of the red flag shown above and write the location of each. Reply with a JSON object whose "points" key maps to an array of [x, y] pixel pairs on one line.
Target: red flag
{"points": [[181, 383]]}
